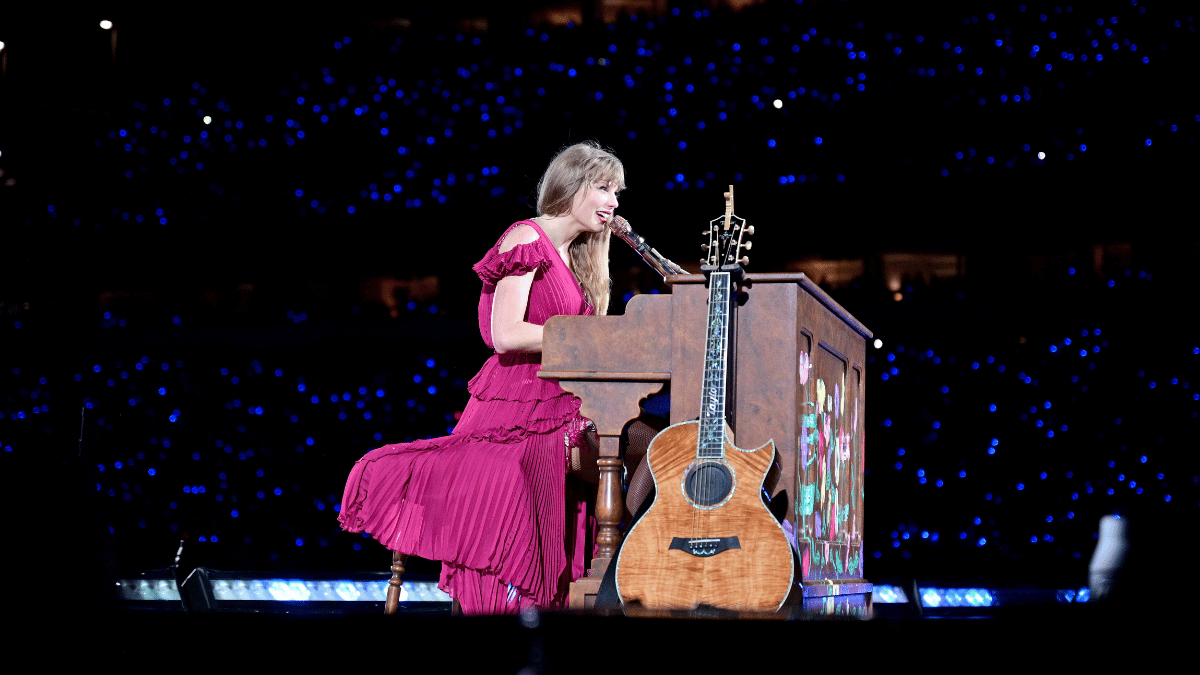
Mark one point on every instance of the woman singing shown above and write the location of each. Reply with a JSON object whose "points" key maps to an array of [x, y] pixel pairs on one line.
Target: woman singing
{"points": [[489, 500]]}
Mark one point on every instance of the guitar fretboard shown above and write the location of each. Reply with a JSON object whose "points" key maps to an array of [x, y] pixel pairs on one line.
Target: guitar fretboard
{"points": [[712, 404]]}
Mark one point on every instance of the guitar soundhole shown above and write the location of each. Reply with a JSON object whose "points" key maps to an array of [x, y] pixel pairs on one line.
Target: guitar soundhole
{"points": [[709, 483]]}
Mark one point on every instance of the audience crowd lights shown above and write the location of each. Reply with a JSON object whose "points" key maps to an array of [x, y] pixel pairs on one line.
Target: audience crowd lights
{"points": [[227, 453], [434, 119], [984, 451], [1032, 448]]}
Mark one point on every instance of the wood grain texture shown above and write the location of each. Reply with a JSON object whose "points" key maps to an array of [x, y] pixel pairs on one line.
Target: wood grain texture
{"points": [[790, 335], [637, 341], [758, 576]]}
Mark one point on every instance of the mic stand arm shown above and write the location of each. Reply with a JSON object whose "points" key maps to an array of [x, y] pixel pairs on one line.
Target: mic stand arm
{"points": [[653, 258]]}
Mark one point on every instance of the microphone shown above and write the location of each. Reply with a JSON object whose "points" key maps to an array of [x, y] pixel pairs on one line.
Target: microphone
{"points": [[653, 258]]}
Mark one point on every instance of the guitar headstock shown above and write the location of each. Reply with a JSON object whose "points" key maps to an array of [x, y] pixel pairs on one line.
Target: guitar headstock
{"points": [[727, 238]]}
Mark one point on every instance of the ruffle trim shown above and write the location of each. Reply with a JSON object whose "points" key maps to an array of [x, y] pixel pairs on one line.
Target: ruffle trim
{"points": [[538, 416], [499, 435], [521, 259], [516, 382]]}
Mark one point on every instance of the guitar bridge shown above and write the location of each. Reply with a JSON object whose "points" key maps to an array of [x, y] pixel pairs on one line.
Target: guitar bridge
{"points": [[704, 547]]}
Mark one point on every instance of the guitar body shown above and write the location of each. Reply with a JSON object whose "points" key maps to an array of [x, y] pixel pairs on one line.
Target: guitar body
{"points": [[722, 549]]}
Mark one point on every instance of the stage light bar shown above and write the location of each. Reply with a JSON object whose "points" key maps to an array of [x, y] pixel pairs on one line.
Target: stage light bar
{"points": [[147, 589], [206, 590], [979, 597], [957, 597], [338, 590], [888, 594]]}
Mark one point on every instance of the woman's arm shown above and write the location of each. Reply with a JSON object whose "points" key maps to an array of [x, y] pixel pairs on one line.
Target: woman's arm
{"points": [[510, 331]]}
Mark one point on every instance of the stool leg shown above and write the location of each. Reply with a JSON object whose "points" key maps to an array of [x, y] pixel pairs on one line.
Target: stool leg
{"points": [[393, 592]]}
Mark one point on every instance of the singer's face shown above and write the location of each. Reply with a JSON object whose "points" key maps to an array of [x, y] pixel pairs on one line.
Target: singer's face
{"points": [[595, 205]]}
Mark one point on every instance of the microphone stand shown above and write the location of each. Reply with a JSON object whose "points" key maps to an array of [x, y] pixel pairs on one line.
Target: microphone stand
{"points": [[653, 258]]}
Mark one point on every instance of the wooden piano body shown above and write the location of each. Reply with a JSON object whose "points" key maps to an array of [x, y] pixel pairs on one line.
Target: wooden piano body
{"points": [[797, 376]]}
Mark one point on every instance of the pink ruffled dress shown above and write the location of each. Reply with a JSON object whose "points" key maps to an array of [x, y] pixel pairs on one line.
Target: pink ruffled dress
{"points": [[490, 500]]}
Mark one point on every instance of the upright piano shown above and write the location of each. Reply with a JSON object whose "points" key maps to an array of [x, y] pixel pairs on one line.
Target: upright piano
{"points": [[797, 377]]}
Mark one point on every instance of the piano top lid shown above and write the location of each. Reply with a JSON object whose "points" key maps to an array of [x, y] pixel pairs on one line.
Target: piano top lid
{"points": [[784, 277]]}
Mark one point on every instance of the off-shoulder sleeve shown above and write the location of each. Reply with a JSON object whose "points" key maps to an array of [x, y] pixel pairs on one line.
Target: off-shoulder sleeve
{"points": [[520, 259]]}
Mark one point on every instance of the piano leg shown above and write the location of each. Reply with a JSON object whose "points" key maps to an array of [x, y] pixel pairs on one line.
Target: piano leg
{"points": [[610, 502], [610, 507]]}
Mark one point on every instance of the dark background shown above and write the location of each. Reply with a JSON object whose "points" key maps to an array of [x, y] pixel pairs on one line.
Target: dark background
{"points": [[239, 277]]}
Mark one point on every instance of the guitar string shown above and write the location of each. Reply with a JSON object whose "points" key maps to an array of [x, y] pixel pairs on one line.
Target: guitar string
{"points": [[713, 431], [701, 494], [716, 422], [712, 427], [710, 392], [710, 395]]}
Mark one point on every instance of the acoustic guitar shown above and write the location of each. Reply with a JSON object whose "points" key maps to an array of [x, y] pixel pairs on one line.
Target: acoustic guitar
{"points": [[708, 537]]}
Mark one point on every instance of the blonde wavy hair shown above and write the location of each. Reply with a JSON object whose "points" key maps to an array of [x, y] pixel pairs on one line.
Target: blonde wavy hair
{"points": [[571, 171]]}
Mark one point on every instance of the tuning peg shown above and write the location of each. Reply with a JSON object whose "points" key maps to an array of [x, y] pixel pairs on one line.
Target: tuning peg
{"points": [[703, 247], [747, 245], [750, 230], [745, 260]]}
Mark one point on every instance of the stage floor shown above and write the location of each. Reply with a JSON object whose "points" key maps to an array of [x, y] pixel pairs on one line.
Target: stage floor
{"points": [[574, 643]]}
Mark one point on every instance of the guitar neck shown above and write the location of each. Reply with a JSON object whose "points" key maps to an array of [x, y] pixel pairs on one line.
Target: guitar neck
{"points": [[711, 443]]}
